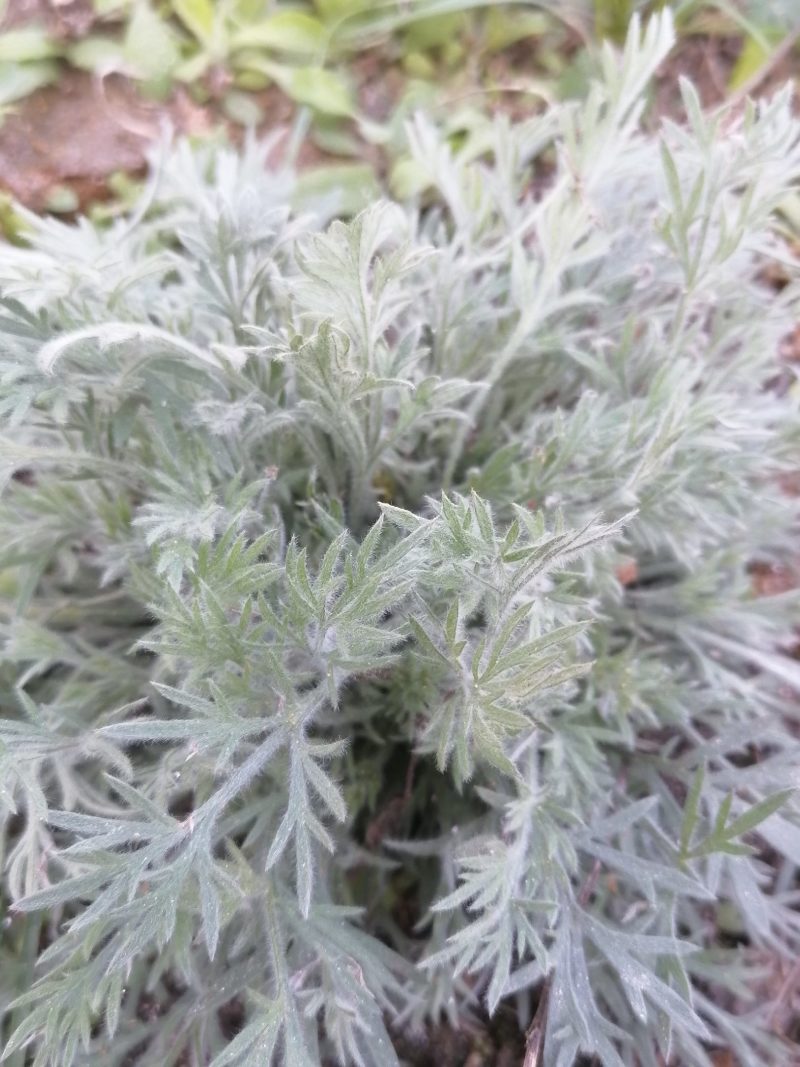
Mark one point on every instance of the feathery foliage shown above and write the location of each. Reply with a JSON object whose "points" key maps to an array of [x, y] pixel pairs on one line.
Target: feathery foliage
{"points": [[348, 564]]}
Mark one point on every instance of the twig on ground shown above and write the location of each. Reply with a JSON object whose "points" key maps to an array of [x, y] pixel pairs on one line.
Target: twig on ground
{"points": [[534, 1038]]}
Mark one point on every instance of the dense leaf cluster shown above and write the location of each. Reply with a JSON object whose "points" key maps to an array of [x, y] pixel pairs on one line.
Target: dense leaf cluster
{"points": [[379, 638]]}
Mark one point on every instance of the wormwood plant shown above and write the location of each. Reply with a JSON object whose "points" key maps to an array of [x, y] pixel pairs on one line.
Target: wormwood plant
{"points": [[380, 644]]}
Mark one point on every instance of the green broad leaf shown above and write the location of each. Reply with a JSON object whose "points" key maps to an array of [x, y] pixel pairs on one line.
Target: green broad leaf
{"points": [[751, 59], [338, 190], [244, 11], [62, 200], [198, 16], [150, 49], [322, 90], [434, 31], [504, 26], [292, 32], [335, 139], [612, 18], [333, 10], [419, 65], [197, 66], [104, 8], [9, 583], [243, 108], [96, 54], [573, 80], [27, 44], [251, 81], [18, 80], [408, 179]]}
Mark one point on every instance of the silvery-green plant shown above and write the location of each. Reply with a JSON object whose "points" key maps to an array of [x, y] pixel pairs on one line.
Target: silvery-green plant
{"points": [[401, 567]]}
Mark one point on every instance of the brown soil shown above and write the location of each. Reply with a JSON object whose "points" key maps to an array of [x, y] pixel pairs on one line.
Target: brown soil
{"points": [[498, 1044], [707, 62], [62, 18], [74, 133], [81, 131]]}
